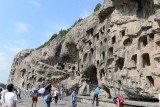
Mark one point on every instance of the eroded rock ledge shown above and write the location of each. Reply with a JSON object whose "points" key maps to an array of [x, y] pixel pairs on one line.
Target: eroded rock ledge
{"points": [[117, 47]]}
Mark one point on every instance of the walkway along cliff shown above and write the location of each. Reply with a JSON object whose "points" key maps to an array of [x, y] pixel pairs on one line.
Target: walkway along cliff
{"points": [[117, 48]]}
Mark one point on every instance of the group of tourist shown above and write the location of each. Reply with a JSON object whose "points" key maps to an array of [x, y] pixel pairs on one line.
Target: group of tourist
{"points": [[9, 97]]}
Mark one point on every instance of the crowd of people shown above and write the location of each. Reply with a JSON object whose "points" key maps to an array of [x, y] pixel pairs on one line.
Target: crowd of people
{"points": [[10, 95]]}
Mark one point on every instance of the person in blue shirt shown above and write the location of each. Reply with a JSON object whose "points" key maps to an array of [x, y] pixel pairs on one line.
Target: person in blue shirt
{"points": [[47, 99], [74, 101], [96, 93]]}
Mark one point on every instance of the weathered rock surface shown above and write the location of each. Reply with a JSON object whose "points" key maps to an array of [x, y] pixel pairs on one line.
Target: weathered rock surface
{"points": [[117, 48]]}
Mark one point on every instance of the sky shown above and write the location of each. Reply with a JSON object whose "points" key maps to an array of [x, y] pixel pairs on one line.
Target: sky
{"points": [[27, 24]]}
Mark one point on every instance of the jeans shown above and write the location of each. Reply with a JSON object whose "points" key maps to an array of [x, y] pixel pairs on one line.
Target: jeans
{"points": [[61, 96], [48, 103], [74, 103], [95, 97], [34, 103], [56, 99]]}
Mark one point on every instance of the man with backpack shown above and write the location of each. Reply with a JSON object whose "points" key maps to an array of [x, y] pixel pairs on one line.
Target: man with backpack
{"points": [[96, 93], [34, 98], [118, 101]]}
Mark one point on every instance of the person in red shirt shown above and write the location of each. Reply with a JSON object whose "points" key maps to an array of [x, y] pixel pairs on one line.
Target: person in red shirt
{"points": [[118, 101]]}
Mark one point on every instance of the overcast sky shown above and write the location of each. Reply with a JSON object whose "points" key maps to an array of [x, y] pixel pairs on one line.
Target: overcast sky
{"points": [[26, 24]]}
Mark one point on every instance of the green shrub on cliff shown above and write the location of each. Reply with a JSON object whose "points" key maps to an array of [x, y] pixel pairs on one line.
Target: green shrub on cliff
{"points": [[98, 6], [2, 85], [61, 33]]}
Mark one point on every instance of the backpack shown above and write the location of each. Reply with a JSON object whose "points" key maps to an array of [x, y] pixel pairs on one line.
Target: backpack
{"points": [[35, 96]]}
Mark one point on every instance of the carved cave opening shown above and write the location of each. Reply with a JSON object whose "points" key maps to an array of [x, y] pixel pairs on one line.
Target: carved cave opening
{"points": [[145, 8], [142, 42], [101, 43], [73, 68], [134, 60], [92, 51], [119, 64], [97, 62], [127, 42], [151, 81], [40, 79], [151, 37], [90, 32], [122, 33], [23, 84], [72, 54], [113, 39], [23, 72], [157, 44], [110, 61], [102, 73], [103, 55], [91, 74], [146, 60], [110, 52], [105, 40], [157, 61], [85, 57]]}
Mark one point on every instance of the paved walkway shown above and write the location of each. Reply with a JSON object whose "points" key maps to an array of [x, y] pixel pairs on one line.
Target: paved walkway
{"points": [[27, 102]]}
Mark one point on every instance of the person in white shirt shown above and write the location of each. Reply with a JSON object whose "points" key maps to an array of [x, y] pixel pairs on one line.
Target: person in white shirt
{"points": [[56, 96], [9, 98]]}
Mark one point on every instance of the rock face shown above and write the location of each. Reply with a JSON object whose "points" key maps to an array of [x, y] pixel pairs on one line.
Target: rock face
{"points": [[117, 48]]}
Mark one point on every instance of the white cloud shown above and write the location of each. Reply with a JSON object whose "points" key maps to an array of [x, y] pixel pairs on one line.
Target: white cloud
{"points": [[21, 28], [16, 46], [20, 42], [85, 14], [13, 49], [3, 62], [37, 4]]}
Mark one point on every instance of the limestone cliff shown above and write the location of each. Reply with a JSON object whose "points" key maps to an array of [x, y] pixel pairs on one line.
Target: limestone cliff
{"points": [[117, 48]]}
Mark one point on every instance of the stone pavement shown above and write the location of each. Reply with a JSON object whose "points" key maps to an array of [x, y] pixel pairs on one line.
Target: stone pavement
{"points": [[27, 102]]}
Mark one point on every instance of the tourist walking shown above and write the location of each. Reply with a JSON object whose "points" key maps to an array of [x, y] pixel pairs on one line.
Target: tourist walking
{"points": [[61, 94], [19, 94], [56, 96], [34, 96], [47, 99], [118, 101], [74, 101], [96, 93], [9, 98]]}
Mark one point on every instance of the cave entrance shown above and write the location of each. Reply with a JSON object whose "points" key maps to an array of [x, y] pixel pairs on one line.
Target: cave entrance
{"points": [[91, 74], [110, 52], [134, 60], [119, 64], [145, 8], [146, 60], [142, 42], [72, 55], [151, 81], [102, 73]]}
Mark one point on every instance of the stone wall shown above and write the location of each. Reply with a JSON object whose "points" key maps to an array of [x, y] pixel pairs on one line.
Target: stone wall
{"points": [[117, 48]]}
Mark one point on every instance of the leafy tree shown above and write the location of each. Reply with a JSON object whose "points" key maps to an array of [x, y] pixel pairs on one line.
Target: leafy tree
{"points": [[2, 85], [98, 6]]}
